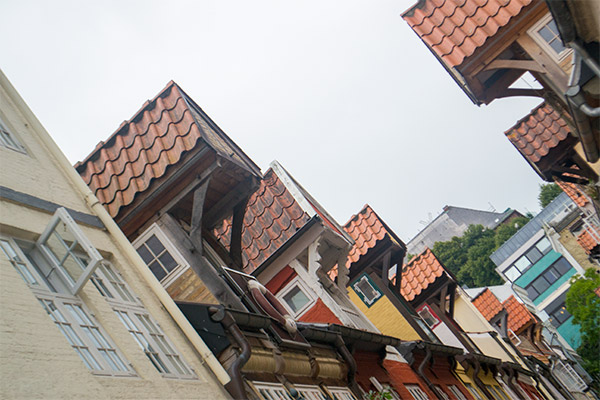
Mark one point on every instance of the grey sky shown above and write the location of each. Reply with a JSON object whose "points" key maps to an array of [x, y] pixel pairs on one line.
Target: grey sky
{"points": [[342, 93]]}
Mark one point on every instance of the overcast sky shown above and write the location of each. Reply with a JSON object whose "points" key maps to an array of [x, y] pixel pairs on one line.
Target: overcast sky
{"points": [[342, 93]]}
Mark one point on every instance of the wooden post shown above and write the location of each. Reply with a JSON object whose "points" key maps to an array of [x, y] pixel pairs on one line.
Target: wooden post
{"points": [[237, 223], [197, 209]]}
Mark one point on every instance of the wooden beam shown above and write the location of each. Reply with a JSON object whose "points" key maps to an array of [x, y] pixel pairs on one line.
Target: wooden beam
{"points": [[514, 92], [206, 174], [237, 223], [527, 65], [235, 195], [385, 268], [197, 210]]}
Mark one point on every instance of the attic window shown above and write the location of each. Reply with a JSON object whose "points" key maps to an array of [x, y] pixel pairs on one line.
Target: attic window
{"points": [[366, 290], [428, 316], [546, 34]]}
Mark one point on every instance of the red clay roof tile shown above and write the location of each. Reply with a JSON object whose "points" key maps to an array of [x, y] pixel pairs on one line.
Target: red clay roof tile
{"points": [[519, 317], [588, 239], [574, 193], [272, 217], [366, 229], [455, 29], [419, 273], [143, 148], [487, 304], [540, 131]]}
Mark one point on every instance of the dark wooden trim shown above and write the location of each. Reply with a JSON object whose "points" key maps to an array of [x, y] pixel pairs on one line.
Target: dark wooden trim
{"points": [[34, 202], [227, 203], [512, 92], [237, 223], [197, 210], [527, 65]]}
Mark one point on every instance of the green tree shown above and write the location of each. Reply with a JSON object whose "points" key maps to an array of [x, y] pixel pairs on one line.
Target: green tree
{"points": [[548, 192], [505, 231], [584, 304]]}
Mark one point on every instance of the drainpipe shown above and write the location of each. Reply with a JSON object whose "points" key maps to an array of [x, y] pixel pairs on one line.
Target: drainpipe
{"points": [[351, 362], [236, 386], [118, 237], [510, 381], [478, 381], [428, 356]]}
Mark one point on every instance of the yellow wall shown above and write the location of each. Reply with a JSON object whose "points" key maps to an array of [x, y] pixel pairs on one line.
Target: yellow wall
{"points": [[384, 315]]}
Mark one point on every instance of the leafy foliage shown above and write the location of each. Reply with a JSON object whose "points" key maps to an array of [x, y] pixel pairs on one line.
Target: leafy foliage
{"points": [[584, 304], [383, 395], [548, 192], [468, 257]]}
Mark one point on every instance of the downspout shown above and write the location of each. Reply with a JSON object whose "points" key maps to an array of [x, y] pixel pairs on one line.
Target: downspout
{"points": [[478, 381], [351, 362], [236, 386], [510, 381], [123, 245], [428, 356]]}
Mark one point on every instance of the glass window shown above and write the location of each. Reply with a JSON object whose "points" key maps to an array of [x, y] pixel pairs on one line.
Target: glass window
{"points": [[416, 392], [441, 393], [68, 251], [544, 245], [534, 255], [512, 273], [473, 391], [540, 284], [549, 33], [428, 316], [366, 290], [296, 299], [559, 315], [522, 263], [456, 392], [562, 266], [160, 255]]}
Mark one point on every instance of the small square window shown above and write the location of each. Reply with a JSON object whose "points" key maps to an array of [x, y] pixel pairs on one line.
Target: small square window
{"points": [[545, 33], [522, 263], [544, 245], [512, 273], [429, 316], [367, 290], [297, 297]]}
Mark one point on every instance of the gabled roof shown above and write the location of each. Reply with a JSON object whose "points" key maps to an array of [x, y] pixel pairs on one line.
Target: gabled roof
{"points": [[455, 29], [422, 271], [538, 133], [519, 317], [158, 136], [487, 304], [272, 217]]}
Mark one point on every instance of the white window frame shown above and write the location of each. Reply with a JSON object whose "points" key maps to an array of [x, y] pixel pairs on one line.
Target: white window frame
{"points": [[441, 392], [275, 391], [297, 282], [416, 392], [341, 393], [73, 283], [366, 299], [8, 139], [533, 32], [77, 334], [182, 266], [151, 339], [474, 391], [424, 310], [456, 392], [310, 392]]}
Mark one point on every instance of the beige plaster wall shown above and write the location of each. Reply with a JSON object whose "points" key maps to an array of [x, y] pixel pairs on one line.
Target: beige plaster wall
{"points": [[37, 360]]}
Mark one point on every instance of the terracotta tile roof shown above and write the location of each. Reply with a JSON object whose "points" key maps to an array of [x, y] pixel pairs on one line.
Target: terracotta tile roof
{"points": [[455, 29], [272, 217], [366, 229], [487, 304], [574, 193], [143, 148], [518, 316], [588, 239], [539, 132], [419, 273]]}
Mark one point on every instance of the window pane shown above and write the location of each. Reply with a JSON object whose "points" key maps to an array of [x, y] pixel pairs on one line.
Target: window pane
{"points": [[145, 254], [540, 284], [155, 245], [534, 255], [532, 293], [546, 33], [543, 245], [296, 299], [522, 263], [157, 270], [562, 266], [512, 273], [167, 261], [557, 46]]}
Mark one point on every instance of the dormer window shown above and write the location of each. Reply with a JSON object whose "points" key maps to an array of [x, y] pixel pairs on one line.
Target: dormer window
{"points": [[366, 290], [297, 297], [546, 34]]}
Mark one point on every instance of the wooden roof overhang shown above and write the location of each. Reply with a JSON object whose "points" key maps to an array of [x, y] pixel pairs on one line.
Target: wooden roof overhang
{"points": [[386, 253]]}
